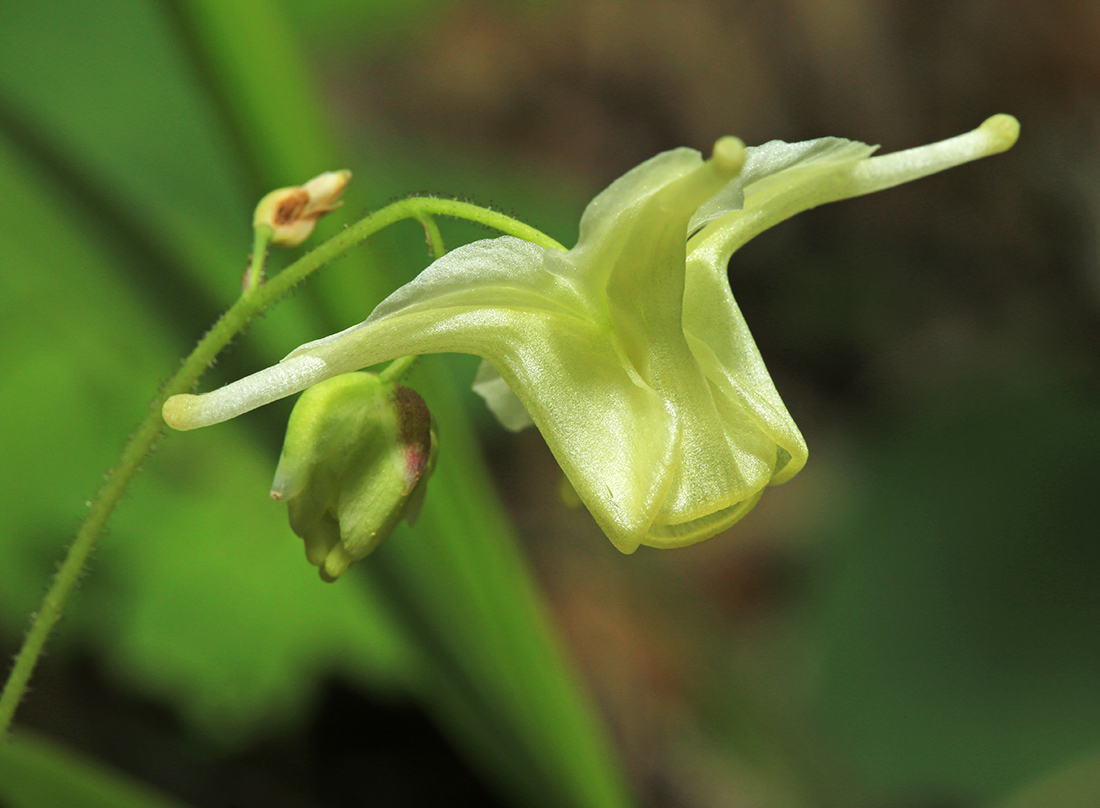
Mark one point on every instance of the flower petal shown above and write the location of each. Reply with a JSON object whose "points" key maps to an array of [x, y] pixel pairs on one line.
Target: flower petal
{"points": [[506, 301], [726, 352], [805, 160], [783, 179], [499, 398]]}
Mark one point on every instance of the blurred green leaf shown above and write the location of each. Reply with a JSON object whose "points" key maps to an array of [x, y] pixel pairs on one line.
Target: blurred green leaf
{"points": [[35, 773], [211, 607], [1075, 785], [958, 617], [170, 115], [461, 582], [219, 610]]}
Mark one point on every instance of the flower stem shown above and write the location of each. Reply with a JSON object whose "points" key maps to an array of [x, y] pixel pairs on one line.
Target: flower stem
{"points": [[255, 298], [397, 368], [254, 275], [435, 238]]}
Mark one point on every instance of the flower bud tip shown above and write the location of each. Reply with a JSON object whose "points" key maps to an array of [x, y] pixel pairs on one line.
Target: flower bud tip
{"points": [[729, 155], [324, 190], [177, 411], [286, 484], [336, 563], [1002, 131]]}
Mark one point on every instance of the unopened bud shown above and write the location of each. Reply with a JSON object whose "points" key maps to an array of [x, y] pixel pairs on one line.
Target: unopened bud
{"points": [[356, 460], [292, 213]]}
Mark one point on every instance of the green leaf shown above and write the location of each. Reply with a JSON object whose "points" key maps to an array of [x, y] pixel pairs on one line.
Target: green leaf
{"points": [[1074, 785], [35, 773]]}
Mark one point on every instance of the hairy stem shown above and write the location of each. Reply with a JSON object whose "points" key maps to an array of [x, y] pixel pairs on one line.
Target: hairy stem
{"points": [[254, 275]]}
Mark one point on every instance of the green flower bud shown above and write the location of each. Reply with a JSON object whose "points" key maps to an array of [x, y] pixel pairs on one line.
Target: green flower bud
{"points": [[356, 460]]}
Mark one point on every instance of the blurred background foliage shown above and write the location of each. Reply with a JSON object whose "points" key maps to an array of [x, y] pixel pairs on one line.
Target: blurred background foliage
{"points": [[910, 623]]}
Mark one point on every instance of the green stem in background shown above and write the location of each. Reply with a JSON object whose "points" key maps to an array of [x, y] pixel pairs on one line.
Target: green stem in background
{"points": [[255, 298], [254, 275]]}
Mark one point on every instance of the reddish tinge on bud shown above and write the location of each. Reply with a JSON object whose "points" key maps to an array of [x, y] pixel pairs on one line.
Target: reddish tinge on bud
{"points": [[292, 213]]}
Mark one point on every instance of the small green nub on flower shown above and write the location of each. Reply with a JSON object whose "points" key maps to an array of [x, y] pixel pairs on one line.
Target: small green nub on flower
{"points": [[356, 460], [292, 213]]}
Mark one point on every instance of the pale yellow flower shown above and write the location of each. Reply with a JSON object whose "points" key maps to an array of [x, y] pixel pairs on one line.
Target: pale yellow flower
{"points": [[628, 351]]}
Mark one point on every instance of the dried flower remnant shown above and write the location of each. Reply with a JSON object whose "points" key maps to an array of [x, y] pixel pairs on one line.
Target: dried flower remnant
{"points": [[292, 213]]}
